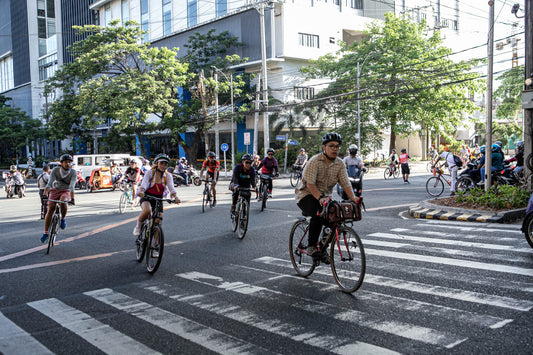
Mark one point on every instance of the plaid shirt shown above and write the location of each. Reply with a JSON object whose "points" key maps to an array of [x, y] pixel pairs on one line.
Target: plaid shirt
{"points": [[323, 176]]}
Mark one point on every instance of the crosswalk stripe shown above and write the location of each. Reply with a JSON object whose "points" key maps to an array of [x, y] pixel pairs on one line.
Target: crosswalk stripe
{"points": [[14, 340], [422, 334], [456, 236], [465, 227], [458, 243], [98, 334], [207, 337], [295, 332], [452, 262], [461, 295]]}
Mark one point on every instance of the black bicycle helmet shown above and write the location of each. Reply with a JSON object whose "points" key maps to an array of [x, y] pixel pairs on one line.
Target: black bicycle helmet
{"points": [[520, 145], [247, 157], [211, 154], [65, 157], [163, 157], [331, 137]]}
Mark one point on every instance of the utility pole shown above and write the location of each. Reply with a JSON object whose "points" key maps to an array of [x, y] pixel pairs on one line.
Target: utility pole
{"points": [[264, 74], [528, 87], [217, 128], [488, 129]]}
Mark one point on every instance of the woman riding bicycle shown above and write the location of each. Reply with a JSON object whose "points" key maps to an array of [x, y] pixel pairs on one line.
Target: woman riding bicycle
{"points": [[269, 165], [243, 176], [322, 173], [157, 182], [133, 175]]}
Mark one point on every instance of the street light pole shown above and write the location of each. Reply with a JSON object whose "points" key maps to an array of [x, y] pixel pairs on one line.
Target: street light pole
{"points": [[358, 101], [217, 129]]}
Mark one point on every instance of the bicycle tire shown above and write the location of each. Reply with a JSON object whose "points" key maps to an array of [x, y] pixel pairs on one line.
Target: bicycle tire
{"points": [[294, 178], [243, 219], [386, 174], [235, 217], [298, 244], [529, 162], [264, 197], [122, 203], [434, 186], [141, 243], [53, 232], [528, 229], [196, 181], [464, 184], [204, 200], [152, 263], [527, 182], [348, 261], [396, 173]]}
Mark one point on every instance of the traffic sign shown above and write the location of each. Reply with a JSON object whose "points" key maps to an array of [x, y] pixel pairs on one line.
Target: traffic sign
{"points": [[280, 138], [224, 147], [292, 142], [246, 138]]}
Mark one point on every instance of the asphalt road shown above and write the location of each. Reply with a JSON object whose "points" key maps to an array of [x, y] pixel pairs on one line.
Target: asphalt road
{"points": [[430, 287]]}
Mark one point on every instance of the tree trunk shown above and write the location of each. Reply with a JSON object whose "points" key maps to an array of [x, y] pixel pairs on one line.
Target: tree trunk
{"points": [[392, 144]]}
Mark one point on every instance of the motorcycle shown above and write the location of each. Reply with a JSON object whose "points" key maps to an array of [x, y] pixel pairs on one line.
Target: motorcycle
{"points": [[81, 183], [12, 187], [193, 176], [178, 179], [527, 224]]}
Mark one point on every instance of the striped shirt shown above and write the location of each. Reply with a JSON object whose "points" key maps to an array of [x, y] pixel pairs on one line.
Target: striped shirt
{"points": [[324, 176]]}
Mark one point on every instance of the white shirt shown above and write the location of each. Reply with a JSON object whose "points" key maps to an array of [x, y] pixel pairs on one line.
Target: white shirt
{"points": [[448, 156]]}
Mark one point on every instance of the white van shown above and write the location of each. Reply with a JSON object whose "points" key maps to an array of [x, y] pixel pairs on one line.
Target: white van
{"points": [[88, 162]]}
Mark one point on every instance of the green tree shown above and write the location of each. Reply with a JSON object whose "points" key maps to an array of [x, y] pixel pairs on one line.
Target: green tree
{"points": [[510, 93], [114, 77], [408, 83], [205, 52], [16, 130]]}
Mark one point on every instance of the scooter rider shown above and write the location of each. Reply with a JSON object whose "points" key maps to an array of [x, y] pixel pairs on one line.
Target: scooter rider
{"points": [[518, 157], [354, 164], [17, 178]]}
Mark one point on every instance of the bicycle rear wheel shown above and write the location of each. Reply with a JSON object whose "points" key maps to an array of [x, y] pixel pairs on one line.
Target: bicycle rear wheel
{"points": [[464, 184], [294, 178], [141, 243], [434, 186], [235, 216], [53, 232], [396, 173], [298, 245], [387, 173], [243, 219], [123, 202], [348, 262], [154, 253]]}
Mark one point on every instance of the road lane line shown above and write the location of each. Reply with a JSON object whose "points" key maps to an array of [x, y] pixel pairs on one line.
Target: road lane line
{"points": [[100, 335], [194, 332], [14, 340], [286, 329]]}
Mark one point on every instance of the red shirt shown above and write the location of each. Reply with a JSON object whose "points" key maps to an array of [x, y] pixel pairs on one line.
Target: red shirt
{"points": [[211, 165], [404, 158]]}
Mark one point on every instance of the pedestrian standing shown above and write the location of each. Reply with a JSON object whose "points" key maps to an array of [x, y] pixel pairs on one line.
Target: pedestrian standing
{"points": [[404, 161], [452, 168], [42, 181]]}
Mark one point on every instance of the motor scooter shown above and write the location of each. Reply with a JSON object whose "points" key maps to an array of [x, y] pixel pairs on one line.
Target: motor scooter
{"points": [[193, 176], [357, 185], [527, 224], [12, 187], [81, 183]]}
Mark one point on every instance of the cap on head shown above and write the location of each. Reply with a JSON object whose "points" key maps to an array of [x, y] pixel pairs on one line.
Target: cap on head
{"points": [[404, 150]]}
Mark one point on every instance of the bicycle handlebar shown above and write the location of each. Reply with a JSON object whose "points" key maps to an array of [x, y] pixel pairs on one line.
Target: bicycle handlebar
{"points": [[169, 200], [47, 199]]}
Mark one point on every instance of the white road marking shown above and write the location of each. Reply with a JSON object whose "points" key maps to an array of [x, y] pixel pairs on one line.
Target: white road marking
{"points": [[14, 340], [100, 335]]}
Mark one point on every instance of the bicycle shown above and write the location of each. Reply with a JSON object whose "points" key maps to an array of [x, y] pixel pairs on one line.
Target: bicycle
{"points": [[150, 232], [435, 184], [239, 217], [54, 224], [126, 197], [347, 254], [207, 198], [296, 175], [391, 172], [263, 188]]}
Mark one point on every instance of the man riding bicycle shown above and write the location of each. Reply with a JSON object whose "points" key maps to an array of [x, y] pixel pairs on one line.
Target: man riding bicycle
{"points": [[60, 187], [213, 170], [322, 173], [301, 159], [394, 159], [133, 175], [269, 165], [157, 182], [243, 176]]}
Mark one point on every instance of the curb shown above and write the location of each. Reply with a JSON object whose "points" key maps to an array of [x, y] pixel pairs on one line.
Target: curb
{"points": [[427, 210]]}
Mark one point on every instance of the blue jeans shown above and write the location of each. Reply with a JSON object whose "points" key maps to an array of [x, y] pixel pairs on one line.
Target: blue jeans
{"points": [[493, 169]]}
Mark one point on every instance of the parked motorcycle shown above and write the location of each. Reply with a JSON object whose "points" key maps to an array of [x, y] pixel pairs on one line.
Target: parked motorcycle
{"points": [[527, 224]]}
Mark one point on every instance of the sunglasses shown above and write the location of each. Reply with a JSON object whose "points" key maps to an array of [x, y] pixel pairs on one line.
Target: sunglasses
{"points": [[270, 154], [247, 162]]}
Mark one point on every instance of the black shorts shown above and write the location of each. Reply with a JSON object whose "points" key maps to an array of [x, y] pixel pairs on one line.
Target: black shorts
{"points": [[212, 175], [405, 168], [152, 202]]}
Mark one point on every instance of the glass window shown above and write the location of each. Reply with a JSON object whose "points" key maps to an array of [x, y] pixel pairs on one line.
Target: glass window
{"points": [[192, 13], [304, 93], [7, 80], [221, 7], [41, 10], [47, 66], [41, 27], [50, 10], [308, 40], [107, 15], [144, 20], [125, 7], [167, 17]]}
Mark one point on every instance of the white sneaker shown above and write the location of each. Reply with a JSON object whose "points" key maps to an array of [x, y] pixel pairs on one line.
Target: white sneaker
{"points": [[136, 231]]}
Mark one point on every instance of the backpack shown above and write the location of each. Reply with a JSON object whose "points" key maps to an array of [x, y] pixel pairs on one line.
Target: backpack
{"points": [[458, 161]]}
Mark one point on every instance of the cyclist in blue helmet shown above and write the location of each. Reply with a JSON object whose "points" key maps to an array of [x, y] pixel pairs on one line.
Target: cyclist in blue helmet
{"points": [[497, 160]]}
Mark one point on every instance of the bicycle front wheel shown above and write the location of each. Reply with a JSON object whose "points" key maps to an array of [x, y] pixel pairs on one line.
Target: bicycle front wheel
{"points": [[53, 232], [434, 186], [396, 173], [464, 184], [298, 245], [235, 217], [264, 197], [154, 250], [123, 202], [387, 173], [141, 243], [243, 219], [348, 262], [294, 178], [204, 200], [528, 229]]}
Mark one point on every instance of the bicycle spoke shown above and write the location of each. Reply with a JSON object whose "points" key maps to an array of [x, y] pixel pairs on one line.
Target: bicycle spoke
{"points": [[298, 245], [348, 263]]}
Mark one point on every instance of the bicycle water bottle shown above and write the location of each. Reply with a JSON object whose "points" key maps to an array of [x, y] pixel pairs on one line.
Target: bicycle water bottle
{"points": [[325, 237]]}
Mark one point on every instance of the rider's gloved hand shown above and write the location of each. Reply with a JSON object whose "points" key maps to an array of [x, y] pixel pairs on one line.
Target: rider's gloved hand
{"points": [[71, 202]]}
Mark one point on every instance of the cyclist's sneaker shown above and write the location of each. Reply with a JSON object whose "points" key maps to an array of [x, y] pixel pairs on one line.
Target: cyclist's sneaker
{"points": [[44, 238], [136, 231], [214, 202], [270, 194], [312, 250], [63, 224], [155, 254]]}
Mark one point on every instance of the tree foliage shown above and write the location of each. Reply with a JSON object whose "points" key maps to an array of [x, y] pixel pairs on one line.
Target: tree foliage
{"points": [[408, 83], [510, 93]]}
